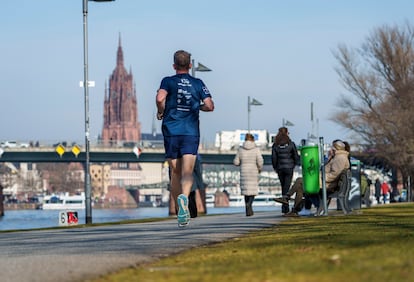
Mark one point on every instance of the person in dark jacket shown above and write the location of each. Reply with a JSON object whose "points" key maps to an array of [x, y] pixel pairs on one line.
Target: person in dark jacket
{"points": [[284, 159], [197, 184], [378, 190]]}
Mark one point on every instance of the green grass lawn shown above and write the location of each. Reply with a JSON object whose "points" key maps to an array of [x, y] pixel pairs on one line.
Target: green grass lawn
{"points": [[377, 244]]}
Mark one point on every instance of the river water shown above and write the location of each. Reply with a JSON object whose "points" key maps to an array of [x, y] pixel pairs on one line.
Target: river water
{"points": [[30, 219]]}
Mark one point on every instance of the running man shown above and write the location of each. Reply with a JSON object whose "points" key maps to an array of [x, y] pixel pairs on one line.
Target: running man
{"points": [[179, 101]]}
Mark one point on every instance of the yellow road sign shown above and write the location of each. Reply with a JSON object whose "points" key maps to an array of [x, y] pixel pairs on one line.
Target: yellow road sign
{"points": [[60, 150], [76, 150]]}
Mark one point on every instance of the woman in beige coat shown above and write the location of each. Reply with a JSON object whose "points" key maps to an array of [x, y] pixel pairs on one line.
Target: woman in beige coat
{"points": [[250, 160]]}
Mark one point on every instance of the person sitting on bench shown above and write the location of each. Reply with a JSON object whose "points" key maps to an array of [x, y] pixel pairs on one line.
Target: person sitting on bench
{"points": [[337, 161]]}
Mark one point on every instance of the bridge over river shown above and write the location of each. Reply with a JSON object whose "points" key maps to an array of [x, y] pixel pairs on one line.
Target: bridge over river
{"points": [[109, 154], [218, 166]]}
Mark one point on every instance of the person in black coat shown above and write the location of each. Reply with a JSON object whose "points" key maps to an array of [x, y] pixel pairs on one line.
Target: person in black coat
{"points": [[197, 184], [378, 190], [284, 159]]}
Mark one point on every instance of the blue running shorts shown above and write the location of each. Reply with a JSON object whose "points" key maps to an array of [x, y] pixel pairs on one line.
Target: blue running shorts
{"points": [[177, 146]]}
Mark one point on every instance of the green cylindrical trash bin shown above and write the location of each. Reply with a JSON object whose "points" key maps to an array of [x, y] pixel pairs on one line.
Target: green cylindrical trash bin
{"points": [[310, 169]]}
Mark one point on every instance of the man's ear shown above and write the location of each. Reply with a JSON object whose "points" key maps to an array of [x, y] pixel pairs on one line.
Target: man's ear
{"points": [[174, 67]]}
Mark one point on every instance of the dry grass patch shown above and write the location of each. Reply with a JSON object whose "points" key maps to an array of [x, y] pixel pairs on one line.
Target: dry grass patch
{"points": [[374, 245]]}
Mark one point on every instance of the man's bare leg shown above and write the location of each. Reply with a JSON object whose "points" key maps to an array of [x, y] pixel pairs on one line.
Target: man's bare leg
{"points": [[187, 167], [181, 183], [175, 171]]}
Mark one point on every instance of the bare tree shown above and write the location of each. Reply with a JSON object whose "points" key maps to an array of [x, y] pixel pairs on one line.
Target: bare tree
{"points": [[379, 103], [62, 177]]}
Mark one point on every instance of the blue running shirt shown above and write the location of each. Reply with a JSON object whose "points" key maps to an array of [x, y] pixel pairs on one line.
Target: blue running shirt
{"points": [[182, 105]]}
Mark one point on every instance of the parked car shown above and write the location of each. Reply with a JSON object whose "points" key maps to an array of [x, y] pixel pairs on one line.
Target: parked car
{"points": [[24, 145], [13, 144], [9, 144]]}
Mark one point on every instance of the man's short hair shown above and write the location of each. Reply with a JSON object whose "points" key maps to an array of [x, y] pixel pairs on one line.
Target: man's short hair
{"points": [[182, 60]]}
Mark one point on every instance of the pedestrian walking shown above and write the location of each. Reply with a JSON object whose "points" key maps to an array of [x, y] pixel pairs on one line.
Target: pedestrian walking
{"points": [[378, 190], [250, 160], [197, 188], [385, 190], [284, 159]]}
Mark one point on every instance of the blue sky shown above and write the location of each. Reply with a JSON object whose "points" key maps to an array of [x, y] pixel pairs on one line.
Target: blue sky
{"points": [[278, 52]]}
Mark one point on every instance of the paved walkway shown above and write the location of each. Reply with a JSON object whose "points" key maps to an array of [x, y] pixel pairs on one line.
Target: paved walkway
{"points": [[84, 253]]}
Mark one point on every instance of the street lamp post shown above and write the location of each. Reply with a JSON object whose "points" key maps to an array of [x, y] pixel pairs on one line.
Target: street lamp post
{"points": [[200, 68], [286, 123], [251, 102], [248, 113], [88, 216]]}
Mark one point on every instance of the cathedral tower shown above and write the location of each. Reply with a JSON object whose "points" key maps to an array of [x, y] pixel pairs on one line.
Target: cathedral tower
{"points": [[120, 124]]}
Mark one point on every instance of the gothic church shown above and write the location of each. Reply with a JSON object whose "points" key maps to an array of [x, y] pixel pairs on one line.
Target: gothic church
{"points": [[120, 128], [120, 125]]}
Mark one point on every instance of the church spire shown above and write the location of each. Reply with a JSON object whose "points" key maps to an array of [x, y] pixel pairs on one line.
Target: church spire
{"points": [[120, 54], [106, 91]]}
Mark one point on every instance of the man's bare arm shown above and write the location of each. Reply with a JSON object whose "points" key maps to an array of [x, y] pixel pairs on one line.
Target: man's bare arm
{"points": [[160, 102], [208, 105]]}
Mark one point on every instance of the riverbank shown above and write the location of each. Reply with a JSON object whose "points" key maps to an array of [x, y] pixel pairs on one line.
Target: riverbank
{"points": [[35, 206], [34, 219]]}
